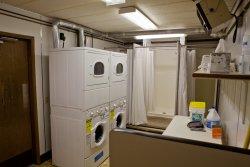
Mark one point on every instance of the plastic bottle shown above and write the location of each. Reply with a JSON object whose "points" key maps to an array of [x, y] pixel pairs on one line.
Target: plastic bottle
{"points": [[241, 64], [213, 118], [246, 53]]}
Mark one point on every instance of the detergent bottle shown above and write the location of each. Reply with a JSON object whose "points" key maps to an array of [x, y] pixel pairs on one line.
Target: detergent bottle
{"points": [[213, 118]]}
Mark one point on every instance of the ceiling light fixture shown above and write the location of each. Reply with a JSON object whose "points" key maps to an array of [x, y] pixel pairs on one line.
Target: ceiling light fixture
{"points": [[157, 36], [114, 2], [135, 16]]}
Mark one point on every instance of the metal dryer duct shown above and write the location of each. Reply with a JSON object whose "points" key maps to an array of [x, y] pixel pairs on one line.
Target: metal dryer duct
{"points": [[188, 31], [56, 40], [118, 36]]}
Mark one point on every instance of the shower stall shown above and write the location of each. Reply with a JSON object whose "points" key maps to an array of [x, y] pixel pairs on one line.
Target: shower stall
{"points": [[165, 81], [161, 81], [154, 82]]}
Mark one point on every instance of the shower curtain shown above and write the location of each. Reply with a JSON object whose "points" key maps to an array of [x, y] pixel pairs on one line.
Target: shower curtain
{"points": [[142, 86], [191, 68], [182, 85], [186, 89]]}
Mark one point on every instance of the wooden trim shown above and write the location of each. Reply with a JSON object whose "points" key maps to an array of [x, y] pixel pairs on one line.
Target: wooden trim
{"points": [[238, 76], [32, 89], [46, 156], [19, 160]]}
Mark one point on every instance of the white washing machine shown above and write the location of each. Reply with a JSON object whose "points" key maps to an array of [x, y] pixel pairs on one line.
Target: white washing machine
{"points": [[97, 135], [118, 68], [77, 73], [118, 113], [67, 137], [80, 139]]}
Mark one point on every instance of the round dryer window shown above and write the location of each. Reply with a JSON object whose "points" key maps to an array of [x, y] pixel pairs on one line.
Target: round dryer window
{"points": [[99, 68], [119, 68], [119, 121], [99, 133]]}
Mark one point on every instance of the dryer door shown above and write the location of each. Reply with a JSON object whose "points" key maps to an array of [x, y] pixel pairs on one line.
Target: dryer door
{"points": [[98, 134], [118, 68], [120, 120], [96, 68]]}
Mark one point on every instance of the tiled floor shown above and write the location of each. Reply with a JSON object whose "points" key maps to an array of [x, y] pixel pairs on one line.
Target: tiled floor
{"points": [[49, 164]]}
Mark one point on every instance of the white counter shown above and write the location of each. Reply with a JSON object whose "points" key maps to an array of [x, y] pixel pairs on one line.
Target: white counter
{"points": [[178, 128]]}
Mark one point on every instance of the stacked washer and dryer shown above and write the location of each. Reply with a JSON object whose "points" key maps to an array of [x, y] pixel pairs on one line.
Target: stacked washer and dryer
{"points": [[118, 90], [83, 81]]}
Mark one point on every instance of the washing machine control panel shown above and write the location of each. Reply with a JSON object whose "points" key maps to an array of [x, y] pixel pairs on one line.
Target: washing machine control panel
{"points": [[98, 111], [121, 104]]}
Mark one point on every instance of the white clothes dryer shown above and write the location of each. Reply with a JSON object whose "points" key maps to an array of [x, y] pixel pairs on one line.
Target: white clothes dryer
{"points": [[97, 135], [85, 68], [79, 73], [118, 68], [118, 113]]}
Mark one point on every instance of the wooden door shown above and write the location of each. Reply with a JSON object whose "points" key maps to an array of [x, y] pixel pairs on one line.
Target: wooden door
{"points": [[15, 110]]}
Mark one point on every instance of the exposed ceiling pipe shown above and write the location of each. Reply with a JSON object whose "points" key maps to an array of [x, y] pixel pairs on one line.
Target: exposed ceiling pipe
{"points": [[189, 31], [81, 30], [56, 24]]}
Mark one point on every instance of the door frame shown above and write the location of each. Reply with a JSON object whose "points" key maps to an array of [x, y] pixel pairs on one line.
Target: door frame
{"points": [[32, 92]]}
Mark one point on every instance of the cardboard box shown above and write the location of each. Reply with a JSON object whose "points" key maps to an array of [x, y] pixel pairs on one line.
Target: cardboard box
{"points": [[220, 62]]}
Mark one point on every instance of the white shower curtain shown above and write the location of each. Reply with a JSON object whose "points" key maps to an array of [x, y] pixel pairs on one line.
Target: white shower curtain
{"points": [[191, 68], [142, 85], [182, 86], [149, 80]]}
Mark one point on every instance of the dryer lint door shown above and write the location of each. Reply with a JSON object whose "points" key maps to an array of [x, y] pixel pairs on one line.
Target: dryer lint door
{"points": [[99, 134], [96, 69], [118, 67]]}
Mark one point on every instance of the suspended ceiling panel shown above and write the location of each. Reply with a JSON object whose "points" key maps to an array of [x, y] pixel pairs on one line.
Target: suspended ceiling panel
{"points": [[167, 14]]}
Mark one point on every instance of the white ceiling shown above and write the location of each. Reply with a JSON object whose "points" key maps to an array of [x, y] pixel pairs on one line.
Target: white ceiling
{"points": [[167, 14]]}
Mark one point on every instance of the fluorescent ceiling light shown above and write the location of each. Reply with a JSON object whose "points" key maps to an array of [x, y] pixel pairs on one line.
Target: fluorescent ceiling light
{"points": [[160, 36], [113, 2], [135, 16]]}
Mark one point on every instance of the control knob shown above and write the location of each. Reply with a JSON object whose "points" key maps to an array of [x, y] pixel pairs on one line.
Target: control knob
{"points": [[91, 114]]}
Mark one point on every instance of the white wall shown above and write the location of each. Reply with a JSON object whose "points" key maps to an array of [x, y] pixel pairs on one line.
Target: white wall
{"points": [[232, 101], [204, 87], [166, 68], [43, 43]]}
